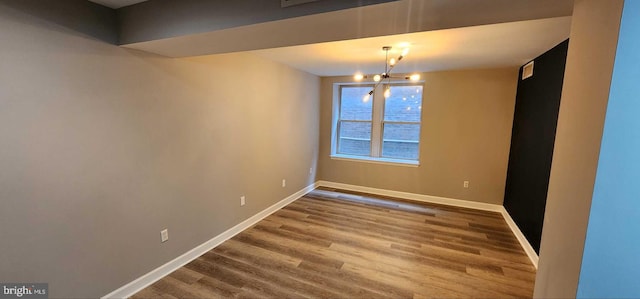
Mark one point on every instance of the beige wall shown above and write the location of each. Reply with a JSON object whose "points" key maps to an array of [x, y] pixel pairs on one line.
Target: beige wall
{"points": [[102, 147], [466, 132], [592, 46]]}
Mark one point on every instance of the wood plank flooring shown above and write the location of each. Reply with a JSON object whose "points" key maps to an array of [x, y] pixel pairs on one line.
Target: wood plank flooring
{"points": [[341, 244]]}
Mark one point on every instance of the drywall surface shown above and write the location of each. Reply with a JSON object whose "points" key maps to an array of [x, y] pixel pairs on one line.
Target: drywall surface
{"points": [[592, 46], [91, 19], [180, 28], [152, 20], [103, 147], [610, 264], [465, 134]]}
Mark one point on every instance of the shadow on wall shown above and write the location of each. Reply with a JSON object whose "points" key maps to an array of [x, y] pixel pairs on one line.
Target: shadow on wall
{"points": [[82, 16]]}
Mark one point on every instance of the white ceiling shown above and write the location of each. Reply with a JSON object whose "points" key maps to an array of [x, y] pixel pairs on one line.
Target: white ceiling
{"points": [[486, 46], [117, 3]]}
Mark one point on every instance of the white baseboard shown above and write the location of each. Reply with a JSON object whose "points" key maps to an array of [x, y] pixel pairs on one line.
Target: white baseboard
{"points": [[144, 281], [415, 196], [445, 201], [533, 256]]}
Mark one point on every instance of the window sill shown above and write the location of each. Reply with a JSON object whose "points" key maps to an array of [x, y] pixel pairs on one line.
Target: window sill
{"points": [[387, 161]]}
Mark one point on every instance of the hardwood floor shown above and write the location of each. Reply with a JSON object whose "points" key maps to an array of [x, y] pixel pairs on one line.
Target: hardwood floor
{"points": [[341, 244]]}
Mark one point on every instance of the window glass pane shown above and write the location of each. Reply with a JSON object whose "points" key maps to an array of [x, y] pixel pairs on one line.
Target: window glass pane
{"points": [[352, 103], [401, 141], [404, 104], [354, 138]]}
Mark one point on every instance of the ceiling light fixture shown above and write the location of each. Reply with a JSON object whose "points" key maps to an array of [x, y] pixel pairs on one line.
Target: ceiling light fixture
{"points": [[389, 64]]}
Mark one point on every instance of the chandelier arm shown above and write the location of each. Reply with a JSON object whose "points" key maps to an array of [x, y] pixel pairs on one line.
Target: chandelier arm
{"points": [[386, 60], [387, 70], [391, 68], [374, 87]]}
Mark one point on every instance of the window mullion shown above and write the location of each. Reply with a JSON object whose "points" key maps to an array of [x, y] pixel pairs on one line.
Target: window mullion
{"points": [[376, 121], [337, 146]]}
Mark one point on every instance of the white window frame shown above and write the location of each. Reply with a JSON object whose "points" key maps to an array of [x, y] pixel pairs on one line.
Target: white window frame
{"points": [[377, 124], [339, 121]]}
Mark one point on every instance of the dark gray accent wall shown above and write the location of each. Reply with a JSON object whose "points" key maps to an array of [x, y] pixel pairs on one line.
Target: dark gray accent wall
{"points": [[170, 18], [82, 16], [532, 141]]}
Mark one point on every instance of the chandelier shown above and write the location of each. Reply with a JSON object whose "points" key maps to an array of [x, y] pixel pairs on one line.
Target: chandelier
{"points": [[389, 64]]}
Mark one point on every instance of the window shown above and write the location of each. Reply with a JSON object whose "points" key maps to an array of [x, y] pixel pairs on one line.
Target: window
{"points": [[354, 126], [401, 122], [378, 128]]}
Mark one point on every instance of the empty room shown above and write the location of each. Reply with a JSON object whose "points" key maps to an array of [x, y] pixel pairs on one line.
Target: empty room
{"points": [[319, 149]]}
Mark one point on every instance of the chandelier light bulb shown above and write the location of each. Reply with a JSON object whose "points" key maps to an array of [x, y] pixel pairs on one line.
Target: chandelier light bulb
{"points": [[381, 77]]}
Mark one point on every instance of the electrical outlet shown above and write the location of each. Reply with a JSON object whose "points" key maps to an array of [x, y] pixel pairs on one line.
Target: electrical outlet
{"points": [[284, 183], [242, 201], [311, 170], [164, 235], [465, 184]]}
